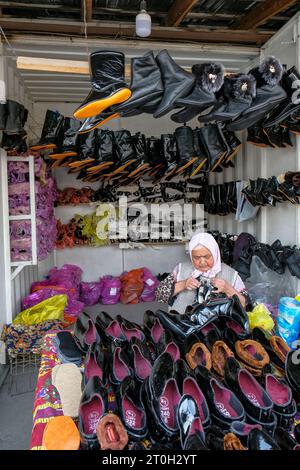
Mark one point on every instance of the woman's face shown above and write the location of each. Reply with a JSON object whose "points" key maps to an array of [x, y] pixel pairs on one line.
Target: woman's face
{"points": [[202, 259]]}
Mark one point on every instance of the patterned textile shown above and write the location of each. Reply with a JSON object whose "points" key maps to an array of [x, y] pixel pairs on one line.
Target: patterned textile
{"points": [[21, 339], [47, 402], [165, 290]]}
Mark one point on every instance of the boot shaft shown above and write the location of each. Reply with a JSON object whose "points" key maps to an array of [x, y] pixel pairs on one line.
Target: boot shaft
{"points": [[65, 138], [107, 69], [3, 116], [52, 123], [15, 115], [86, 145], [104, 145]]}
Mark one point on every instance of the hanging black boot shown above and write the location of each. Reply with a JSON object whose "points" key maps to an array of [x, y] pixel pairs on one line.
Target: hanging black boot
{"points": [[233, 141], [125, 151], [104, 152], [92, 123], [86, 150], [238, 93], [3, 116], [14, 143], [52, 123], [289, 105], [142, 165], [286, 137], [108, 84], [65, 140], [176, 81], [146, 84], [209, 79], [200, 164], [185, 147], [212, 145], [169, 149], [15, 118], [155, 156], [268, 94]]}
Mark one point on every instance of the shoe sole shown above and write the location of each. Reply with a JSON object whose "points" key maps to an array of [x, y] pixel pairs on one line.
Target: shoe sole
{"points": [[218, 162], [198, 168], [121, 168], [42, 147], [61, 156], [187, 165], [96, 107], [81, 164], [90, 129], [138, 170], [96, 169]]}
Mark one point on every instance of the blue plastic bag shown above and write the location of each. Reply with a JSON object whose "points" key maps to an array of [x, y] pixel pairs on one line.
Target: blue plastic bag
{"points": [[288, 320]]}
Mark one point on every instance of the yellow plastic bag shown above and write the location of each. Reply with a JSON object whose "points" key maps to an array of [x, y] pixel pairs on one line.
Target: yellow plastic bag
{"points": [[49, 309], [260, 316]]}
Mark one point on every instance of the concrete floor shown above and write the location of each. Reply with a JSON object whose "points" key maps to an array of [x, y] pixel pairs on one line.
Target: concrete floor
{"points": [[16, 406]]}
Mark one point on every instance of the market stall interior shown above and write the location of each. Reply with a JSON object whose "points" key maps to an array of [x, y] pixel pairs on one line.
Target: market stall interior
{"points": [[118, 145]]}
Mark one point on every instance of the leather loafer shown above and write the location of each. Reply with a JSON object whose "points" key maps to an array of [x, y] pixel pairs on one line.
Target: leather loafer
{"points": [[95, 364], [284, 405], [131, 409], [85, 332], [259, 439]]}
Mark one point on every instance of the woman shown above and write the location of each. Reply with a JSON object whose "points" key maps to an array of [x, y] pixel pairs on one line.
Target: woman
{"points": [[179, 288]]}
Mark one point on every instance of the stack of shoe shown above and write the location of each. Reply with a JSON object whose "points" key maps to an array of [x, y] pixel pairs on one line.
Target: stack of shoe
{"points": [[177, 382], [13, 117]]}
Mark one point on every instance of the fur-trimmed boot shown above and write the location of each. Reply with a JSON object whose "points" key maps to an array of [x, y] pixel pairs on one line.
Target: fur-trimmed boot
{"points": [[238, 91], [108, 84], [291, 84], [209, 80], [268, 94]]}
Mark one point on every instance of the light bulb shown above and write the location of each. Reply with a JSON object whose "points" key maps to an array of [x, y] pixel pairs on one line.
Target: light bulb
{"points": [[143, 22]]}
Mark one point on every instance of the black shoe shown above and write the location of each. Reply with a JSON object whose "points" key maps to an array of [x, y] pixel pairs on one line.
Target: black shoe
{"points": [[191, 387], [212, 145], [176, 81], [196, 437], [185, 148], [96, 364], [180, 327], [65, 140], [190, 425], [120, 363], [52, 123], [169, 149], [268, 94], [14, 119], [275, 346], [85, 148], [93, 405], [242, 430], [108, 84], [85, 332], [142, 360], [287, 107], [130, 330], [146, 84], [239, 92], [256, 402], [223, 404], [131, 409], [209, 79], [292, 372], [259, 439], [285, 440]]}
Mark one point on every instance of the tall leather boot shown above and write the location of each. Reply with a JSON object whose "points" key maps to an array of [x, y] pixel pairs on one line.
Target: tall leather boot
{"points": [[268, 94], [238, 93], [287, 107], [257, 137], [155, 156], [292, 124], [140, 147], [86, 150], [233, 141], [65, 140], [286, 138], [185, 147], [3, 116], [146, 83], [177, 83], [200, 163], [226, 163], [209, 79], [108, 84], [15, 118], [212, 145], [125, 151], [52, 123], [104, 152], [169, 149], [92, 123]]}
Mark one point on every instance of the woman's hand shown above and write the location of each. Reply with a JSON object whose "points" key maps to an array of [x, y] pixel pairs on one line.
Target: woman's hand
{"points": [[191, 283], [223, 287]]}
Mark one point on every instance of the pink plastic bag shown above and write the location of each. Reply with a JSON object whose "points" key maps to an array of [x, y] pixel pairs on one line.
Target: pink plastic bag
{"points": [[150, 285], [90, 292], [111, 290]]}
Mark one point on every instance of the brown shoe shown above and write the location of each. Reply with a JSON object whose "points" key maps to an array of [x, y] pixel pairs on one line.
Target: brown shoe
{"points": [[198, 354], [220, 353], [251, 353], [232, 442]]}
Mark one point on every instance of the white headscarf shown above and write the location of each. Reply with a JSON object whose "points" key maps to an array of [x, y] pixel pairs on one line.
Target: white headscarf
{"points": [[208, 241]]}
